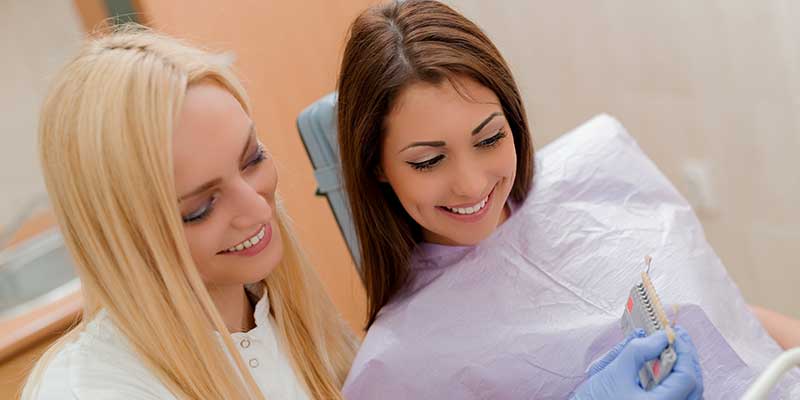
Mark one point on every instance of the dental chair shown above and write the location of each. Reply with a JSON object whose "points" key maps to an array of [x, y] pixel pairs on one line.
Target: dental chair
{"points": [[317, 127]]}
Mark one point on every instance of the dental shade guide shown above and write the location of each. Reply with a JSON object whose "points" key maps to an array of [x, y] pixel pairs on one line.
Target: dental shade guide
{"points": [[643, 310]]}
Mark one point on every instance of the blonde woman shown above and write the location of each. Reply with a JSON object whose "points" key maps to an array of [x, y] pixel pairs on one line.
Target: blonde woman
{"points": [[193, 283]]}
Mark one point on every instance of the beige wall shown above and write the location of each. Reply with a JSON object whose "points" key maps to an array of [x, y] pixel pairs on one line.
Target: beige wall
{"points": [[36, 38], [288, 55], [709, 83]]}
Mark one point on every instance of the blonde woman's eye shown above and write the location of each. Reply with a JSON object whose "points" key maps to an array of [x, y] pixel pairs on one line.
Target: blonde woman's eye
{"points": [[427, 164], [201, 213], [259, 156]]}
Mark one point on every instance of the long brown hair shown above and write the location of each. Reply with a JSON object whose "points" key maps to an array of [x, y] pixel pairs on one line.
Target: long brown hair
{"points": [[390, 47]]}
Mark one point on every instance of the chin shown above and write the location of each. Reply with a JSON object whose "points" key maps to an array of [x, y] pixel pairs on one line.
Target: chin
{"points": [[272, 260], [264, 264]]}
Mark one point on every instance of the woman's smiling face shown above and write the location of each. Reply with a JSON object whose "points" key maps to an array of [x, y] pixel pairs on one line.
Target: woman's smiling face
{"points": [[226, 184], [449, 156]]}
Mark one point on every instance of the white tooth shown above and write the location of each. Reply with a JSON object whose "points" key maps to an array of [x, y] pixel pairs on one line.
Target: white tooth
{"points": [[247, 244], [262, 233], [470, 210], [255, 240], [239, 247], [232, 249]]}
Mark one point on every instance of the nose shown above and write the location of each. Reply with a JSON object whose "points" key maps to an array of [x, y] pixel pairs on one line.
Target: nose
{"points": [[469, 180], [251, 208]]}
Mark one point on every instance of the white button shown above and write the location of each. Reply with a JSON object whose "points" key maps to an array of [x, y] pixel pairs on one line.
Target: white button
{"points": [[253, 363], [245, 343]]}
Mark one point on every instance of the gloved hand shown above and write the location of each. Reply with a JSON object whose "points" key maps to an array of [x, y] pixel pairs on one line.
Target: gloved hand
{"points": [[616, 375]]}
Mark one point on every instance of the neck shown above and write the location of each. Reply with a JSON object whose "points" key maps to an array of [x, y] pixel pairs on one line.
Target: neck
{"points": [[234, 307]]}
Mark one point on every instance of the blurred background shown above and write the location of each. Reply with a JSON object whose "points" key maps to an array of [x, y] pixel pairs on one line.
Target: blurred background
{"points": [[710, 90]]}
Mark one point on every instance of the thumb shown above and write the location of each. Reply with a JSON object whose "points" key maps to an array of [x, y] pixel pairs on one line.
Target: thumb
{"points": [[612, 354], [641, 350]]}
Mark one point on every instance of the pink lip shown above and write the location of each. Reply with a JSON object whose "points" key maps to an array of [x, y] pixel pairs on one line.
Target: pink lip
{"points": [[261, 245], [472, 217]]}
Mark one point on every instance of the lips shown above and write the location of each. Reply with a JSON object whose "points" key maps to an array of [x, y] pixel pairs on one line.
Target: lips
{"points": [[250, 242], [469, 208], [470, 213]]}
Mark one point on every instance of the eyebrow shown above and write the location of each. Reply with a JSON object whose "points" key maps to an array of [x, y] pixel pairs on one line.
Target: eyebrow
{"points": [[486, 121], [216, 181], [475, 131]]}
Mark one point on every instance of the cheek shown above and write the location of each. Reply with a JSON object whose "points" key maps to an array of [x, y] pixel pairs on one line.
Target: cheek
{"points": [[265, 180], [507, 158], [415, 189], [203, 243]]}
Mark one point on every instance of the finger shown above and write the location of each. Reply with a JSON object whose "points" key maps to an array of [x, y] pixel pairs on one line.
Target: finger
{"points": [[677, 385], [685, 352], [688, 344], [641, 350], [687, 362]]}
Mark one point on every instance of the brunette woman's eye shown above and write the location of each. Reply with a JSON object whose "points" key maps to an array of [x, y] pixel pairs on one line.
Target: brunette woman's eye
{"points": [[492, 141], [427, 164], [201, 213]]}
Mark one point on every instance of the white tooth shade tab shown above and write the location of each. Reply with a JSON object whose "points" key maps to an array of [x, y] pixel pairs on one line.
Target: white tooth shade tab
{"points": [[469, 210], [248, 243]]}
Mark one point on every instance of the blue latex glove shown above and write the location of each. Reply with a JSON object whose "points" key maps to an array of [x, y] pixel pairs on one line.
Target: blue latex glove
{"points": [[616, 375]]}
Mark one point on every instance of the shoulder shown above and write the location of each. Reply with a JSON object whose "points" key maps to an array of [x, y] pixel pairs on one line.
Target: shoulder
{"points": [[378, 366], [97, 364]]}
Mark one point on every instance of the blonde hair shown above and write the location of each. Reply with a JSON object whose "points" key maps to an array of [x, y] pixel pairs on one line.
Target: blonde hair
{"points": [[105, 145]]}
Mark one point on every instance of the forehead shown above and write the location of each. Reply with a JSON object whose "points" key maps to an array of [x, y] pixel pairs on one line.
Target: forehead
{"points": [[209, 134], [423, 110]]}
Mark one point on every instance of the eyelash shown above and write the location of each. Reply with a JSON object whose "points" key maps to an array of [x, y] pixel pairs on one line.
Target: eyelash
{"points": [[204, 212], [492, 141], [483, 144], [261, 155]]}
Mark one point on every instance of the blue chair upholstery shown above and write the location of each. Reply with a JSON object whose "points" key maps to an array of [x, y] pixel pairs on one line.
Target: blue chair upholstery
{"points": [[317, 126]]}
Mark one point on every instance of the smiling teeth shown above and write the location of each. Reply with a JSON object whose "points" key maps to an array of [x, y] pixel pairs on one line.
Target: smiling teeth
{"points": [[249, 242], [469, 210]]}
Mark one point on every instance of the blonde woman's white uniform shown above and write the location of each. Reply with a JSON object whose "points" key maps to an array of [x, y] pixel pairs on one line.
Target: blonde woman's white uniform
{"points": [[100, 364]]}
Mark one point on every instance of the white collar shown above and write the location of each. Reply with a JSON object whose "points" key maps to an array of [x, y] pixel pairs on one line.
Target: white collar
{"points": [[261, 311]]}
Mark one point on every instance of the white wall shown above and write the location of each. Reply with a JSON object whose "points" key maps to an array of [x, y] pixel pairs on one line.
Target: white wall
{"points": [[714, 83], [36, 38]]}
